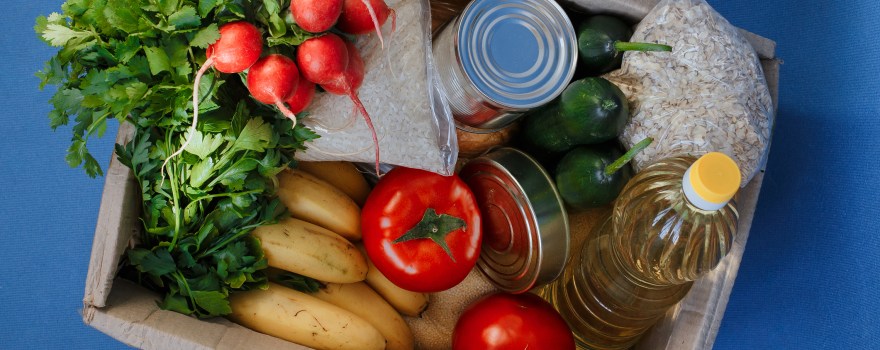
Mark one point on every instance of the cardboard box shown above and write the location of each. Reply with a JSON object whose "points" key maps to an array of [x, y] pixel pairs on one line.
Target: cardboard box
{"points": [[129, 313]]}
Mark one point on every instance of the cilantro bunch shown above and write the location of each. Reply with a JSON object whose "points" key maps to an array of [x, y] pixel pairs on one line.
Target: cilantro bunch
{"points": [[134, 61]]}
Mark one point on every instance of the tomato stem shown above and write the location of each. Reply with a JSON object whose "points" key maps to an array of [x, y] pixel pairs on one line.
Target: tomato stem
{"points": [[434, 227]]}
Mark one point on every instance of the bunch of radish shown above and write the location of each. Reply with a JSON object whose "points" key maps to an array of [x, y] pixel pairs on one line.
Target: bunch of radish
{"points": [[330, 61], [327, 59], [349, 16]]}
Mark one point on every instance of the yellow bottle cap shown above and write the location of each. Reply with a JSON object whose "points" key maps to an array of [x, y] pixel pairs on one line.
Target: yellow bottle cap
{"points": [[714, 178]]}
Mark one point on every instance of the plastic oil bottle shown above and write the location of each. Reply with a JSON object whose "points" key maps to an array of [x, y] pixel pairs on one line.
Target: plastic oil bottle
{"points": [[673, 222]]}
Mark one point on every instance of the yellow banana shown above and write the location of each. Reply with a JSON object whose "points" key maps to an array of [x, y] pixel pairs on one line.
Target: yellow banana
{"points": [[361, 300], [310, 250], [303, 319], [316, 201], [342, 175], [406, 302]]}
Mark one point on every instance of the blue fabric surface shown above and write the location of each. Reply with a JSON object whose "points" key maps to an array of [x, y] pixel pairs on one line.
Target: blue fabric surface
{"points": [[808, 278], [809, 275], [49, 210]]}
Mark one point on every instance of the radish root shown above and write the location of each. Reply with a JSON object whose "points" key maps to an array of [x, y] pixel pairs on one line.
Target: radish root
{"points": [[387, 55], [352, 117], [286, 111], [360, 106], [375, 21], [393, 22], [195, 121]]}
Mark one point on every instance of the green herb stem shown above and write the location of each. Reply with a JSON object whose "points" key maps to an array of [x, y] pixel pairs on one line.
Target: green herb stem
{"points": [[220, 165], [628, 156], [97, 122], [221, 195], [628, 46], [181, 281], [175, 194], [242, 231]]}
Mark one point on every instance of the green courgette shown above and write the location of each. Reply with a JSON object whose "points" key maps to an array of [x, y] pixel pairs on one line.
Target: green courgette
{"points": [[602, 40], [589, 111], [593, 176]]}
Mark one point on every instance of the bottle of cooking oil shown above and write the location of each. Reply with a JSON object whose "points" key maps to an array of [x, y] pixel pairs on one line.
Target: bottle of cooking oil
{"points": [[673, 222]]}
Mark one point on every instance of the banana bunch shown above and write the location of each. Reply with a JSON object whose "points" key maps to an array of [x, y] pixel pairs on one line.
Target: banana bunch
{"points": [[355, 307]]}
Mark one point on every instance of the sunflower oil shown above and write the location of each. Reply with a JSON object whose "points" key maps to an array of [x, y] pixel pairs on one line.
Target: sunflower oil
{"points": [[672, 223]]}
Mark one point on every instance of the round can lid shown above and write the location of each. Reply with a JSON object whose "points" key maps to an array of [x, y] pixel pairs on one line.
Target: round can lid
{"points": [[519, 54], [525, 226]]}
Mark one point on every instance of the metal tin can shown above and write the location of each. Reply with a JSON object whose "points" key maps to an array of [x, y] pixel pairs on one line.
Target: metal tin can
{"points": [[498, 59], [525, 226]]}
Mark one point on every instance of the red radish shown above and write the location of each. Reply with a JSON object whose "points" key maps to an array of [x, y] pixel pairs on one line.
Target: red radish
{"points": [[239, 47], [322, 59], [317, 55], [364, 16], [302, 97], [353, 76], [272, 80], [315, 16]]}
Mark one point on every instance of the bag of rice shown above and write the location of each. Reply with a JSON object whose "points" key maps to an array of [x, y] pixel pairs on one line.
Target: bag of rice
{"points": [[708, 95], [414, 126]]}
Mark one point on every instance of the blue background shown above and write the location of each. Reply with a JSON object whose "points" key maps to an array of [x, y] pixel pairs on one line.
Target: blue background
{"points": [[808, 279]]}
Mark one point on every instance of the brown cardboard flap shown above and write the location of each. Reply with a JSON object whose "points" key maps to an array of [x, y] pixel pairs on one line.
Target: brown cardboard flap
{"points": [[771, 74], [765, 48], [117, 223]]}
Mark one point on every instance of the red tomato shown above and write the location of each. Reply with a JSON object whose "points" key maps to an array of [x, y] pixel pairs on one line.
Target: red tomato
{"points": [[421, 229], [511, 321]]}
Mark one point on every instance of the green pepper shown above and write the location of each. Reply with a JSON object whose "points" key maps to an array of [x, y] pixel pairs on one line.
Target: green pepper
{"points": [[602, 39], [593, 176]]}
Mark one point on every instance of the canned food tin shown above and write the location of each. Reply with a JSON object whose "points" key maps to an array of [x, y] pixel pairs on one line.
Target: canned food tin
{"points": [[525, 226], [498, 59]]}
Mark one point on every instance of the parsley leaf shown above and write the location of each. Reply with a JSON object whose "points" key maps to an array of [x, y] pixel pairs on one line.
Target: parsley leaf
{"points": [[206, 36], [168, 7], [297, 282], [126, 49], [213, 302], [124, 15], [156, 263], [158, 59], [205, 6], [256, 136], [185, 18], [203, 145], [74, 8], [176, 302], [59, 35]]}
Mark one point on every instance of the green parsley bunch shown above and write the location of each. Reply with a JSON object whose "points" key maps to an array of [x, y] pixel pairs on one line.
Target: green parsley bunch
{"points": [[134, 61]]}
